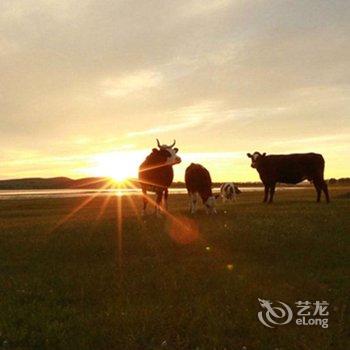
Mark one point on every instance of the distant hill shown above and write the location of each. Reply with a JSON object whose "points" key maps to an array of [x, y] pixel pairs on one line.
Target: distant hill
{"points": [[105, 182], [54, 183], [84, 183]]}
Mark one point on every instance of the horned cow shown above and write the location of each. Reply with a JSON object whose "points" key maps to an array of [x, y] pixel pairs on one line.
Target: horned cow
{"points": [[156, 173]]}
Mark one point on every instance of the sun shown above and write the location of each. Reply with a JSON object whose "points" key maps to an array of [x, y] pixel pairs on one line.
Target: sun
{"points": [[119, 166], [119, 174]]}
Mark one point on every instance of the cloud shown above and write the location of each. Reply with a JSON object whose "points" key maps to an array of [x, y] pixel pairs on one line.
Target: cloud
{"points": [[217, 76], [134, 82], [200, 8], [189, 123], [198, 116], [8, 47], [200, 156], [320, 140]]}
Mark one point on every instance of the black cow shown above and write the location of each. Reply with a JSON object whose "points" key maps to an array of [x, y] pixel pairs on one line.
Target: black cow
{"points": [[290, 169], [198, 180], [156, 173]]}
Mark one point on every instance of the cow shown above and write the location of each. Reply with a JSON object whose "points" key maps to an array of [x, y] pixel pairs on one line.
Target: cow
{"points": [[156, 174], [198, 181], [290, 169], [229, 191]]}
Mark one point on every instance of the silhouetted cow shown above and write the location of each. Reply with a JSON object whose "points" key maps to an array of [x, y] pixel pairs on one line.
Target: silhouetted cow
{"points": [[156, 173], [290, 169], [198, 180]]}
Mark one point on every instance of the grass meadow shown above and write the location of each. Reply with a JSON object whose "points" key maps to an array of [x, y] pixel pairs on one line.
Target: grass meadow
{"points": [[109, 279]]}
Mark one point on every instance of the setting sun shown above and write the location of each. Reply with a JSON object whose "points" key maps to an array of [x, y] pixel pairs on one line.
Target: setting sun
{"points": [[116, 165]]}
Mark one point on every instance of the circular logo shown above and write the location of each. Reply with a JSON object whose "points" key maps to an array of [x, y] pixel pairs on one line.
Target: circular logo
{"points": [[274, 315]]}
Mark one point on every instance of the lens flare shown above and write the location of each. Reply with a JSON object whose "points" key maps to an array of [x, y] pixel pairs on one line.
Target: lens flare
{"points": [[183, 230]]}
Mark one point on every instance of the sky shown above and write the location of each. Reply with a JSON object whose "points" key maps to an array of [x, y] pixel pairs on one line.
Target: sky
{"points": [[87, 86]]}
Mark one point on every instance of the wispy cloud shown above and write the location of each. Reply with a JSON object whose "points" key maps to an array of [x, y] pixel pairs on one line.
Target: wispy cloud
{"points": [[131, 83], [200, 156], [199, 7], [206, 115], [320, 140], [191, 122], [187, 117]]}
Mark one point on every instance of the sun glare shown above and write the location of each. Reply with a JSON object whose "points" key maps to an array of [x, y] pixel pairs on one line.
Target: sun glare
{"points": [[119, 166]]}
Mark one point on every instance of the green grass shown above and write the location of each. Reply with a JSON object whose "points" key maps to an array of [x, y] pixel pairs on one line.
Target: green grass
{"points": [[69, 288]]}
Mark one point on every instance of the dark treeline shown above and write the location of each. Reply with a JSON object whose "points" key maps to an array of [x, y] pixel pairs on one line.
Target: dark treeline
{"points": [[341, 181], [107, 183]]}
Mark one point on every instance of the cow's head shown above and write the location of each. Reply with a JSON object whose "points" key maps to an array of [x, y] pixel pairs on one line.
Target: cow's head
{"points": [[256, 158], [210, 204], [237, 190], [169, 152]]}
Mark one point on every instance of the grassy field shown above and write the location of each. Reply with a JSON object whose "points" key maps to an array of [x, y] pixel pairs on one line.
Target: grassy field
{"points": [[178, 282]]}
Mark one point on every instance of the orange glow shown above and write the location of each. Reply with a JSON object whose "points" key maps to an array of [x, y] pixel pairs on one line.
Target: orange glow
{"points": [[229, 267], [183, 230], [119, 165]]}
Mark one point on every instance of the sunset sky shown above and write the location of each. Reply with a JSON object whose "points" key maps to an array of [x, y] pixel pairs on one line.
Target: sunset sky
{"points": [[87, 86]]}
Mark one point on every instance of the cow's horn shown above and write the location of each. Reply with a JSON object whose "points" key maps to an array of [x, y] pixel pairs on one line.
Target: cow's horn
{"points": [[173, 144], [158, 143]]}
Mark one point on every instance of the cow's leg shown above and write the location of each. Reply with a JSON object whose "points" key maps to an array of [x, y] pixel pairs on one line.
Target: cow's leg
{"points": [[145, 201], [166, 193], [193, 202], [234, 196], [325, 190], [272, 192], [318, 187], [158, 202], [266, 193]]}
